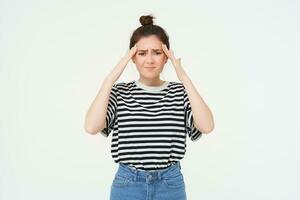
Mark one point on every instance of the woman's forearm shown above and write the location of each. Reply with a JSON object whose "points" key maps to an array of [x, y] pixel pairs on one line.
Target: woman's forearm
{"points": [[202, 115], [95, 119]]}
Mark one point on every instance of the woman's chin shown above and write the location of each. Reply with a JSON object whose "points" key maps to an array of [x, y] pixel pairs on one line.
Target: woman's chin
{"points": [[151, 75]]}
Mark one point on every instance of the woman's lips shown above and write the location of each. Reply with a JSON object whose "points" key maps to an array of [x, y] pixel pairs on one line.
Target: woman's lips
{"points": [[150, 68]]}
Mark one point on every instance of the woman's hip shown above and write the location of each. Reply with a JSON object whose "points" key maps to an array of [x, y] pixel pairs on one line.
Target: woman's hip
{"points": [[131, 183]]}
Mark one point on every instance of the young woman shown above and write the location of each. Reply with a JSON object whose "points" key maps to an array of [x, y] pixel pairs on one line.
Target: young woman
{"points": [[149, 119]]}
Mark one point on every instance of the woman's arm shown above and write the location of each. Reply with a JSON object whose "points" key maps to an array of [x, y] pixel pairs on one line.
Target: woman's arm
{"points": [[95, 119], [202, 115]]}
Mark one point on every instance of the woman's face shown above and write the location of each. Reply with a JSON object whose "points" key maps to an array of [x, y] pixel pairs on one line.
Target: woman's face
{"points": [[149, 58]]}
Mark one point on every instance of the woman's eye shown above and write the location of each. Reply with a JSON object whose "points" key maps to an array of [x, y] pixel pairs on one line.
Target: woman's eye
{"points": [[158, 53]]}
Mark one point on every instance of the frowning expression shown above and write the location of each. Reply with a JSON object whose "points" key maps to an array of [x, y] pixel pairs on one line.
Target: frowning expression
{"points": [[149, 58]]}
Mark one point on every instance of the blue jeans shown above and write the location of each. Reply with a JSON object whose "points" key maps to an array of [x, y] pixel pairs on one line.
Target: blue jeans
{"points": [[136, 184]]}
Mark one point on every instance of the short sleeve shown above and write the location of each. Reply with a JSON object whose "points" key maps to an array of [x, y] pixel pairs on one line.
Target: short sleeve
{"points": [[192, 131], [111, 112]]}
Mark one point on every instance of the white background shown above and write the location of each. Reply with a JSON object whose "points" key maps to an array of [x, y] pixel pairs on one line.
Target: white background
{"points": [[243, 57]]}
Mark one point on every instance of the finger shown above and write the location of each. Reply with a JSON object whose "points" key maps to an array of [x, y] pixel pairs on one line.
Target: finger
{"points": [[172, 54], [134, 49], [179, 60], [166, 51]]}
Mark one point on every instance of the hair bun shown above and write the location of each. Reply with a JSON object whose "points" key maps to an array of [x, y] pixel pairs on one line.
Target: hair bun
{"points": [[146, 20]]}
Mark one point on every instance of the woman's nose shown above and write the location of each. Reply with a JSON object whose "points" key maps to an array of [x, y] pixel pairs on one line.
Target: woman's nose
{"points": [[149, 58]]}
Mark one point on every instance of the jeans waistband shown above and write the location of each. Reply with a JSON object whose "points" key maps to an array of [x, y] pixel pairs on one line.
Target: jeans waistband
{"points": [[128, 171]]}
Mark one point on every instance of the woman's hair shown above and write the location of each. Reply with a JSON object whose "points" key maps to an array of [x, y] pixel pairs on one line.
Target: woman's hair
{"points": [[147, 29]]}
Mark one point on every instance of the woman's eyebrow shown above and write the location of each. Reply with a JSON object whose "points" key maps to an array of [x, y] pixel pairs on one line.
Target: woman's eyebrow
{"points": [[147, 50]]}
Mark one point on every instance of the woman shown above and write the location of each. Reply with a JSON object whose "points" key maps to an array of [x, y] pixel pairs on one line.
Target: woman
{"points": [[149, 118]]}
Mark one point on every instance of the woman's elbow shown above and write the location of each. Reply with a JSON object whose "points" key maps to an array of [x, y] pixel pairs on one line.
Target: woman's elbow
{"points": [[207, 129], [91, 130]]}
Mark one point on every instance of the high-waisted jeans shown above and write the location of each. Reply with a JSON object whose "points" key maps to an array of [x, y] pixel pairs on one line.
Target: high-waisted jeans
{"points": [[136, 184]]}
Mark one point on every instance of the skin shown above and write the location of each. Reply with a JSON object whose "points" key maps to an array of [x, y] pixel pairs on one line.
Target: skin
{"points": [[150, 60]]}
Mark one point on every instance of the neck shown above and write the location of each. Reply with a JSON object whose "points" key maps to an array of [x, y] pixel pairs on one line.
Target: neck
{"points": [[151, 82]]}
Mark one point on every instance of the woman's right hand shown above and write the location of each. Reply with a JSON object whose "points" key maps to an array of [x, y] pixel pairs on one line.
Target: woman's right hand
{"points": [[131, 53], [119, 68]]}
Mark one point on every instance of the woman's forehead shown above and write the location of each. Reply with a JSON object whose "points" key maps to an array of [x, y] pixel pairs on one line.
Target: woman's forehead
{"points": [[150, 42], [152, 46]]}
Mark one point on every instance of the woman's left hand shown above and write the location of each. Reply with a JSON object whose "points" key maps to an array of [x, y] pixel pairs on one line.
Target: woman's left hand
{"points": [[176, 62]]}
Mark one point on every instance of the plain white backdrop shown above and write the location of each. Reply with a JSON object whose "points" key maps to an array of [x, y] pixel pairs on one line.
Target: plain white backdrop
{"points": [[243, 57]]}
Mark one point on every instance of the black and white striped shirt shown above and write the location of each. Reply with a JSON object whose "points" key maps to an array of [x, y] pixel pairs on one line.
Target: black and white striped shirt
{"points": [[149, 124]]}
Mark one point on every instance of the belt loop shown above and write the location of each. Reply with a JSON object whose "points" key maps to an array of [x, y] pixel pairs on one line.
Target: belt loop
{"points": [[135, 174], [159, 175], [179, 165]]}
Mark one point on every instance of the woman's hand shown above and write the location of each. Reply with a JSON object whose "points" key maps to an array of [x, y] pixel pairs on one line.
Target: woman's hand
{"points": [[176, 62], [119, 68], [131, 53]]}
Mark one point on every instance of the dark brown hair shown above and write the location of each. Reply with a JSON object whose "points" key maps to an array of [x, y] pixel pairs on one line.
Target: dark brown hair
{"points": [[147, 29]]}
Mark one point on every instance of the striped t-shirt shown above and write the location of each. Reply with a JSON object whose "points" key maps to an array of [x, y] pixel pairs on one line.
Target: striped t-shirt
{"points": [[149, 124]]}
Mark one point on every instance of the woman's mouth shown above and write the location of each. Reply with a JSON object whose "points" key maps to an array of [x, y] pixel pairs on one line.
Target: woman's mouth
{"points": [[150, 68]]}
